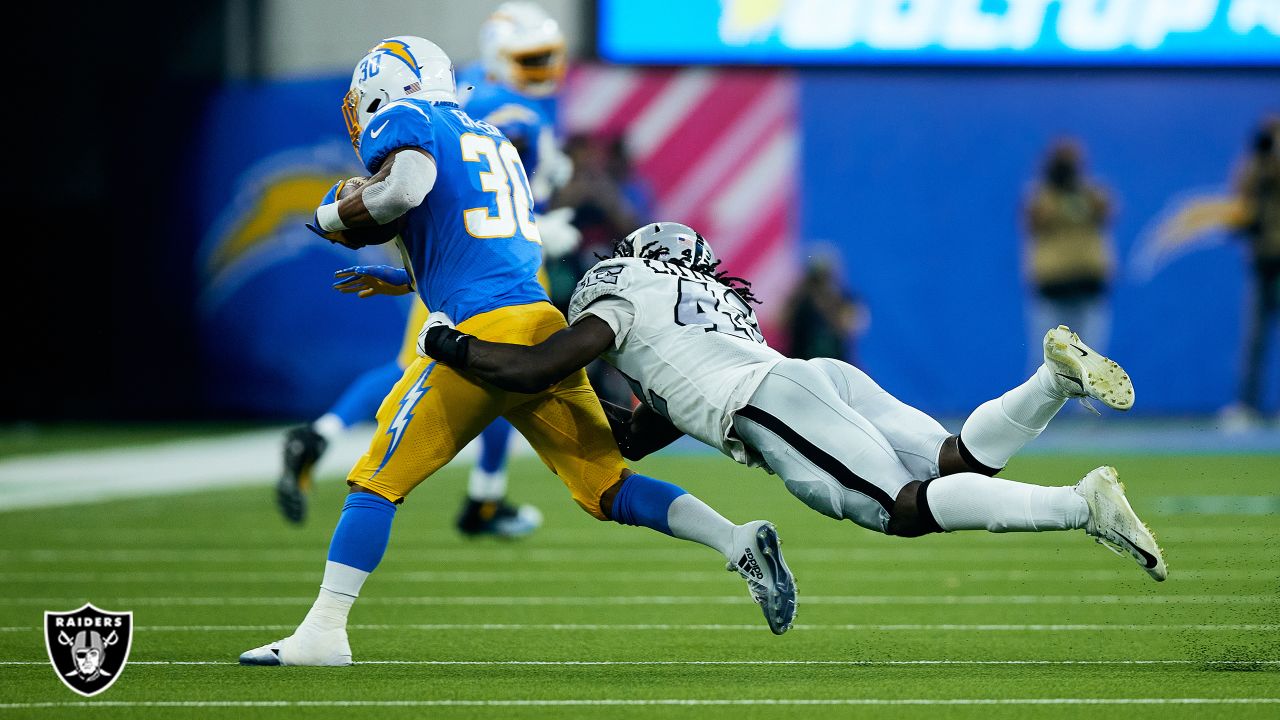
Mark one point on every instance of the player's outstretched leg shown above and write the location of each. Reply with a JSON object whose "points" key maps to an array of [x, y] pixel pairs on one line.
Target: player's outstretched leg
{"points": [[486, 510], [999, 428], [972, 501], [358, 543], [753, 549], [305, 445]]}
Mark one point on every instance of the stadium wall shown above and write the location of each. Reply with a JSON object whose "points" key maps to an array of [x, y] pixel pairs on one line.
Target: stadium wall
{"points": [[919, 178], [915, 176]]}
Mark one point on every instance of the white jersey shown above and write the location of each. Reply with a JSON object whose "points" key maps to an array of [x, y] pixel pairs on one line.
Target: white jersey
{"points": [[690, 347]]}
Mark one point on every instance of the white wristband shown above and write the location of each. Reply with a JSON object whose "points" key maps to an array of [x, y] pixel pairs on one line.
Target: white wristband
{"points": [[327, 216]]}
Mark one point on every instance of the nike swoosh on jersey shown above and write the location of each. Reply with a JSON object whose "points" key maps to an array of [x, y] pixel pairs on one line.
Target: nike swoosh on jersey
{"points": [[374, 133]]}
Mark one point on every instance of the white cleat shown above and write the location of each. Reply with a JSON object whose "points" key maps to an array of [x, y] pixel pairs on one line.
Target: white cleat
{"points": [[326, 648], [1083, 372], [769, 580], [1115, 525]]}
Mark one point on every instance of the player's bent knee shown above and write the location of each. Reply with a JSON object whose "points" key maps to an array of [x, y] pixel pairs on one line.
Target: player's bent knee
{"points": [[954, 457], [911, 516], [357, 487], [596, 496]]}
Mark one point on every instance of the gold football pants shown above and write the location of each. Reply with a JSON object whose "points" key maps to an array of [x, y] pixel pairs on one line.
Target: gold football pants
{"points": [[434, 411]]}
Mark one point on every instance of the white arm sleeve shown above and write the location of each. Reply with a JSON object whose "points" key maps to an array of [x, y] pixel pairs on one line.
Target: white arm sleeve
{"points": [[412, 176], [617, 313]]}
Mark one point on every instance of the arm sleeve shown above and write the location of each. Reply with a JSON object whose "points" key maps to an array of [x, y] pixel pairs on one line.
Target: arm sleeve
{"points": [[617, 312], [405, 187]]}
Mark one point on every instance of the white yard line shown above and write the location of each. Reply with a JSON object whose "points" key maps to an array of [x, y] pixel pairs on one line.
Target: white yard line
{"points": [[937, 560], [710, 627], [611, 663], [627, 702], [520, 600], [496, 577]]}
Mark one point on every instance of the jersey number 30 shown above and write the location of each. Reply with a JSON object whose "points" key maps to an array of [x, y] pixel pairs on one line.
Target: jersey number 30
{"points": [[504, 176]]}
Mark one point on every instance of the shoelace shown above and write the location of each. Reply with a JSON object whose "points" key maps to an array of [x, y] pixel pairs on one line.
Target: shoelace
{"points": [[1084, 400], [1112, 547], [758, 591]]}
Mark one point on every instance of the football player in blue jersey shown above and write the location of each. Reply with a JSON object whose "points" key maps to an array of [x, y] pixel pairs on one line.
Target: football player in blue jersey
{"points": [[454, 193], [523, 63]]}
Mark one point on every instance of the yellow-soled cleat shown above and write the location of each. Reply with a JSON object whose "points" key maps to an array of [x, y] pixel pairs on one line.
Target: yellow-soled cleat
{"points": [[1084, 372], [1114, 523]]}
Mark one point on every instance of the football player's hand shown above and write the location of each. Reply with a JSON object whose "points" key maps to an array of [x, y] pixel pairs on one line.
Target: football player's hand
{"points": [[369, 280], [559, 236], [333, 236], [440, 341]]}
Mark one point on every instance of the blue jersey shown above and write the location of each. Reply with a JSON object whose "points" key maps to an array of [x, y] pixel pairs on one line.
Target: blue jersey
{"points": [[472, 246]]}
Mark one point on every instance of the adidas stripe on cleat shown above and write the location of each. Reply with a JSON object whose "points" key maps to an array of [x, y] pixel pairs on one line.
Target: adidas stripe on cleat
{"points": [[769, 580]]}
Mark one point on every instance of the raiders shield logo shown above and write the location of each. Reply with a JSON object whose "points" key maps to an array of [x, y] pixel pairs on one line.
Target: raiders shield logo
{"points": [[88, 647]]}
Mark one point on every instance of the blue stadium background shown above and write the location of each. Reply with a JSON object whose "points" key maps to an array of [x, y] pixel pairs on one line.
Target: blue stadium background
{"points": [[916, 176]]}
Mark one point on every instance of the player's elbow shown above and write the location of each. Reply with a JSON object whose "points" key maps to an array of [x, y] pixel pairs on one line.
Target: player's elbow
{"points": [[406, 186]]}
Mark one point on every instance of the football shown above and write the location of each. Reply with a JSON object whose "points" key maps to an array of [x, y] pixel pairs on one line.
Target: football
{"points": [[373, 235]]}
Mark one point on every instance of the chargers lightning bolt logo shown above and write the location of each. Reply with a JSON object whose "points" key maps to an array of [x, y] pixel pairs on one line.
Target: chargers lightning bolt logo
{"points": [[405, 413]]}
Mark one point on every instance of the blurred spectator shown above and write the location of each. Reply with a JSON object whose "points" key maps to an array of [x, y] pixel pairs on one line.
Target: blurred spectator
{"points": [[637, 191], [1070, 257], [1257, 191], [823, 318], [602, 212], [608, 202]]}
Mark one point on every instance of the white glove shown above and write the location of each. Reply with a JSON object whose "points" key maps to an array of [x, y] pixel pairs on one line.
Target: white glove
{"points": [[555, 168], [434, 319], [559, 236]]}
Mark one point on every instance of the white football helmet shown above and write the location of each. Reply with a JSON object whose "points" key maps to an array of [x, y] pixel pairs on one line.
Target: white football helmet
{"points": [[683, 244], [522, 47], [398, 67]]}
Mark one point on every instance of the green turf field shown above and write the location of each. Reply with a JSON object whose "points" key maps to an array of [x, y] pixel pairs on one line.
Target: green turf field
{"points": [[588, 619]]}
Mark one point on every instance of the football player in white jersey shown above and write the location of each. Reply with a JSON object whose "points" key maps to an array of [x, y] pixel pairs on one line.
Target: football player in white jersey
{"points": [[686, 337]]}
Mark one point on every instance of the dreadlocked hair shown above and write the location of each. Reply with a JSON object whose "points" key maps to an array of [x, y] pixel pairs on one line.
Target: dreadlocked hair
{"points": [[655, 251]]}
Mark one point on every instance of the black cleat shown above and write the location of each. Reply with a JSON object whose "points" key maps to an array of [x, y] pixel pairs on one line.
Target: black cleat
{"points": [[302, 450], [497, 518]]}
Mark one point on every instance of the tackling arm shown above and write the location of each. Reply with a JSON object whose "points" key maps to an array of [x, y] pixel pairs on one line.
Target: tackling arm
{"points": [[521, 368]]}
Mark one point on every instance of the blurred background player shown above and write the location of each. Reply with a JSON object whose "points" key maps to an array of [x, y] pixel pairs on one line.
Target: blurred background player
{"points": [[1251, 212], [824, 319], [1257, 190], [513, 88], [1070, 258]]}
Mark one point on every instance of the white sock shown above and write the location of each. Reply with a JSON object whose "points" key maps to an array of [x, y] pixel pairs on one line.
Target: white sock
{"points": [[338, 591], [691, 519], [999, 428], [969, 501], [483, 486], [329, 426]]}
